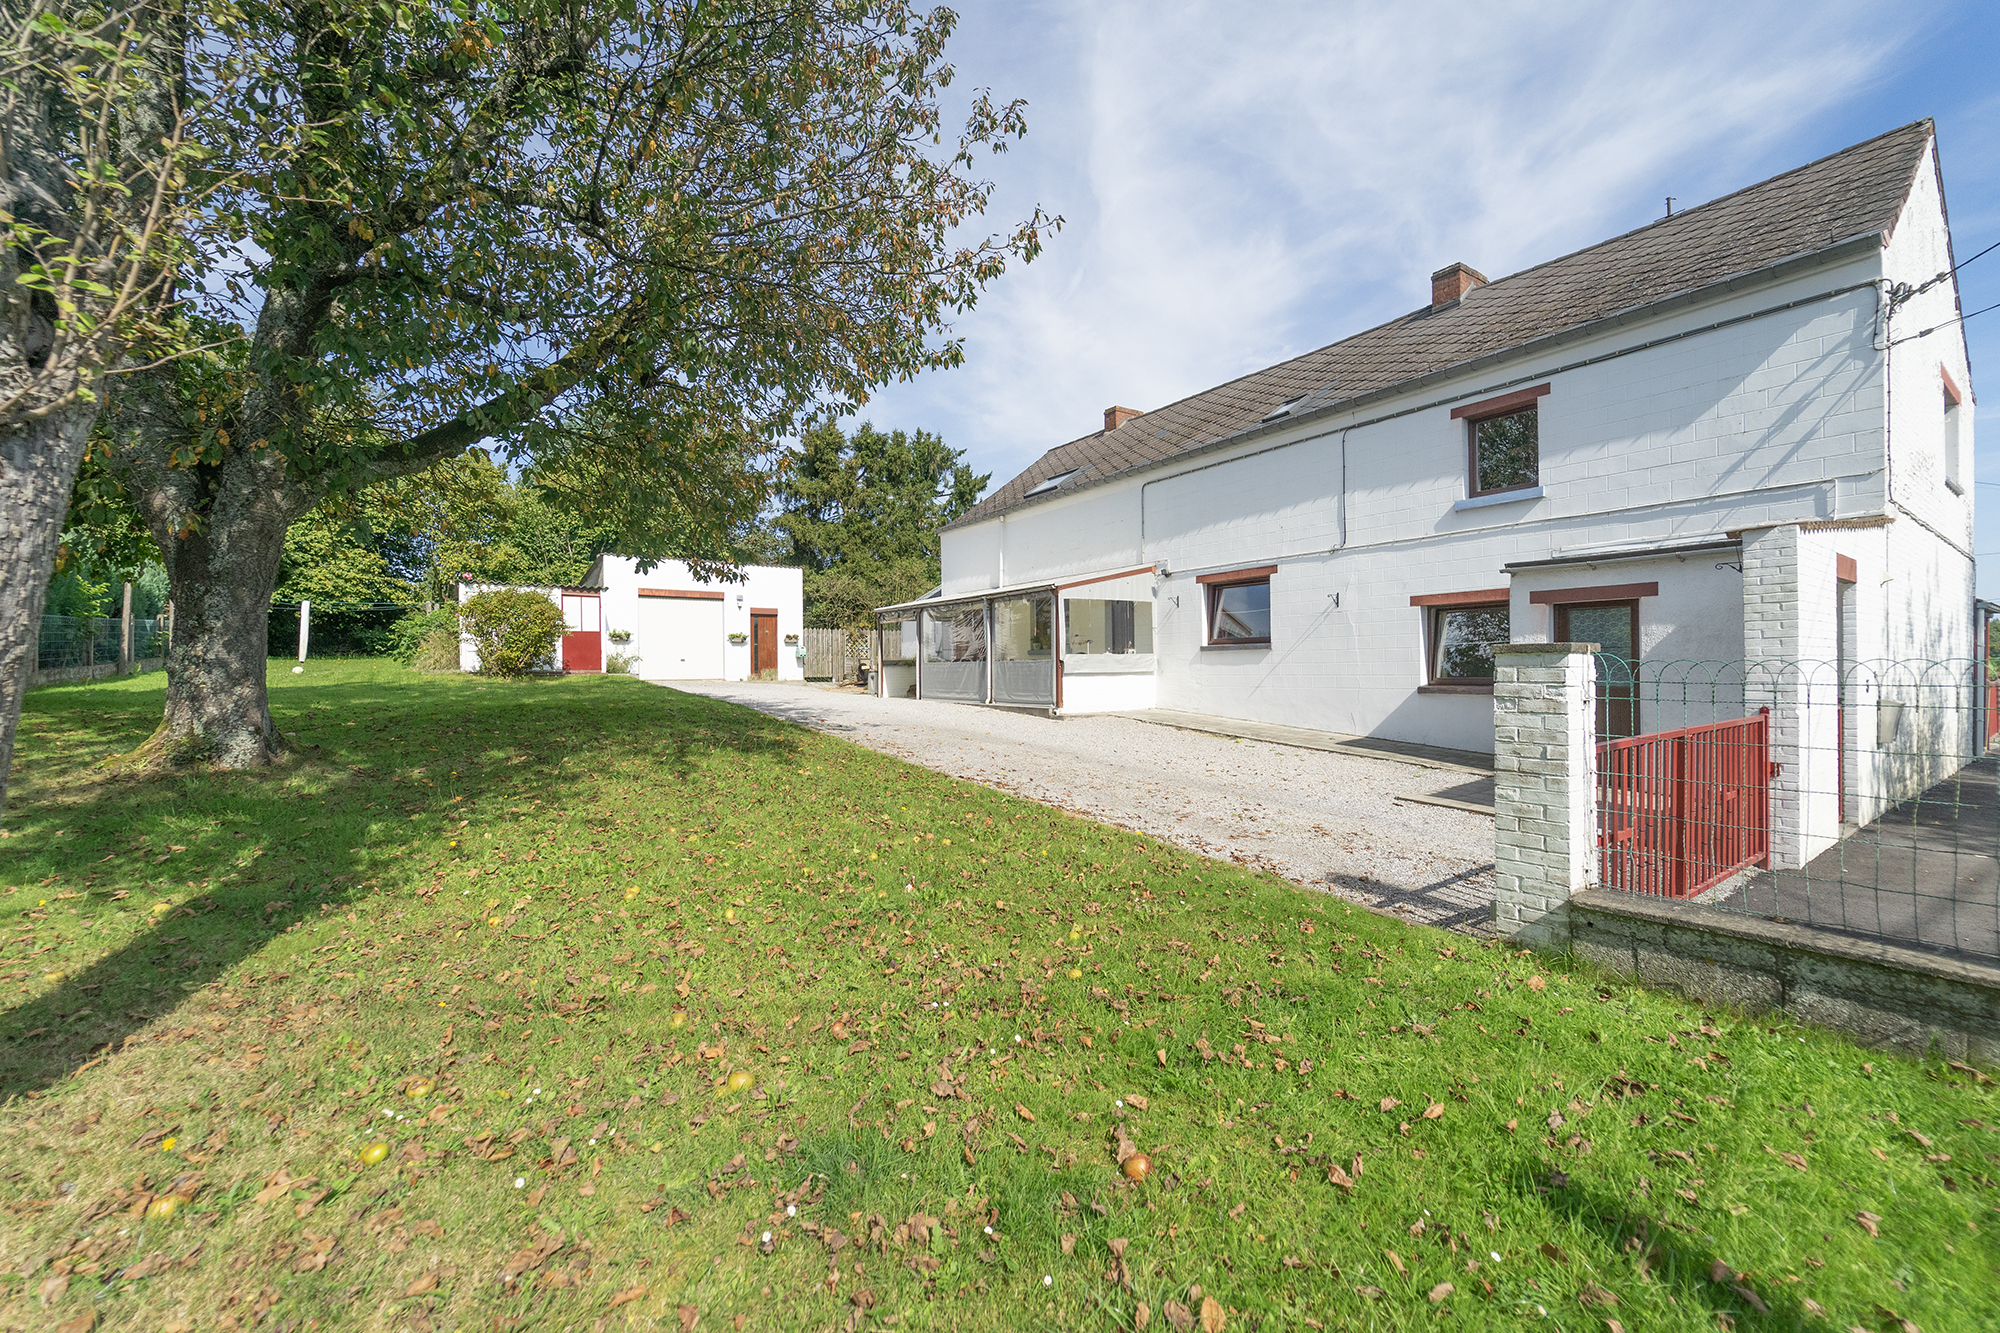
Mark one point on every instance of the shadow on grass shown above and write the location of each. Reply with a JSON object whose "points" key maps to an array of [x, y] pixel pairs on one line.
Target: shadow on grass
{"points": [[1682, 1260], [382, 759]]}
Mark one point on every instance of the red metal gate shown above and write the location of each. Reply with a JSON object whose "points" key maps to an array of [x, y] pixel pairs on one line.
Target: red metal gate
{"points": [[1678, 812]]}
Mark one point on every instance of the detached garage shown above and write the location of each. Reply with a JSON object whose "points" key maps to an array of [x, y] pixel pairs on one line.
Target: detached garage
{"points": [[679, 634], [677, 627]]}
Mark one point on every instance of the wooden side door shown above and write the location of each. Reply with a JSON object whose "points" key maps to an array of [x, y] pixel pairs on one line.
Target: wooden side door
{"points": [[1614, 627], [763, 641]]}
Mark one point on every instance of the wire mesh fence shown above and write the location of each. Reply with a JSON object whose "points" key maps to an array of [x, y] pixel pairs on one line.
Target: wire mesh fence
{"points": [[83, 641], [1857, 797]]}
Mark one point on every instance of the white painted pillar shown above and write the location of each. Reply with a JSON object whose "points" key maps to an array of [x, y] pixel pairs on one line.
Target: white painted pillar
{"points": [[1544, 786], [305, 626], [125, 634]]}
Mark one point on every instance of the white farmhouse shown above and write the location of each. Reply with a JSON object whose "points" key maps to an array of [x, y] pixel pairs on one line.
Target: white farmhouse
{"points": [[1741, 434]]}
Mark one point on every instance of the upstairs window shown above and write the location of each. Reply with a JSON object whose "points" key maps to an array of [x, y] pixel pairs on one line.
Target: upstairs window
{"points": [[1503, 442], [1954, 448]]}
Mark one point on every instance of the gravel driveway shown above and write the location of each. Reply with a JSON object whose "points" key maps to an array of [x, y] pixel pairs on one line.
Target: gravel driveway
{"points": [[1316, 818]]}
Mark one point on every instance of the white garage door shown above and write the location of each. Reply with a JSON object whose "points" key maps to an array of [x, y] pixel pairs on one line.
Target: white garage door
{"points": [[680, 638]]}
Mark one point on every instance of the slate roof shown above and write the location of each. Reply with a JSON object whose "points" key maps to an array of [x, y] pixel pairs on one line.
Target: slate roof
{"points": [[1856, 192]]}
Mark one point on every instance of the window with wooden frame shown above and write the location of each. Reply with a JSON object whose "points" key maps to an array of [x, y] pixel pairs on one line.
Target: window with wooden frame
{"points": [[1460, 631], [1503, 442], [1239, 607], [1954, 454]]}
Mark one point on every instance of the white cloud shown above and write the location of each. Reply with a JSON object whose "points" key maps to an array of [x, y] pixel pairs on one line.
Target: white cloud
{"points": [[1244, 183]]}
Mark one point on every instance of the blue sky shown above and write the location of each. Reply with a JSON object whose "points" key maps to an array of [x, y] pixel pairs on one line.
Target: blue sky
{"points": [[1241, 184]]}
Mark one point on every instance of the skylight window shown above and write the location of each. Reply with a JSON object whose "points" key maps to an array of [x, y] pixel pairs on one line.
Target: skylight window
{"points": [[1049, 484], [1283, 409]]}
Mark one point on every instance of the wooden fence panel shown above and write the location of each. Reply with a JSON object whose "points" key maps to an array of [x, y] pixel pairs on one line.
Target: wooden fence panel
{"points": [[829, 656]]}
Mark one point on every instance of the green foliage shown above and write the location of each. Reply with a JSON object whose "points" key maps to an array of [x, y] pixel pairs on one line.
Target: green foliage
{"points": [[515, 631], [334, 562], [634, 241], [465, 517], [861, 514], [407, 637]]}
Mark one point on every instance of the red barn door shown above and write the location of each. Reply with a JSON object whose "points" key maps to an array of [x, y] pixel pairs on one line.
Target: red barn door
{"points": [[583, 640]]}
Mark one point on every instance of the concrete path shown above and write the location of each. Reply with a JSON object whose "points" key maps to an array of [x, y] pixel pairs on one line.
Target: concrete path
{"points": [[1924, 874], [1401, 833]]}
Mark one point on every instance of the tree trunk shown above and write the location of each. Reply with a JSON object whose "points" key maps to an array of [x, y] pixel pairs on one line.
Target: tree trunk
{"points": [[217, 709], [38, 464], [221, 532]]}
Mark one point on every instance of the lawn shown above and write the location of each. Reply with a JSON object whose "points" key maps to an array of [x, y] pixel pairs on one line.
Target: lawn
{"points": [[589, 1004]]}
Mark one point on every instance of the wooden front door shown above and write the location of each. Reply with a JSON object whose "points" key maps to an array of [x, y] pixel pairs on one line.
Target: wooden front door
{"points": [[763, 641], [583, 632], [1614, 628]]}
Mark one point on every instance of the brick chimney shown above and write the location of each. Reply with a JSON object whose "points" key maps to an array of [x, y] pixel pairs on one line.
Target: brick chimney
{"points": [[1453, 281], [1114, 417]]}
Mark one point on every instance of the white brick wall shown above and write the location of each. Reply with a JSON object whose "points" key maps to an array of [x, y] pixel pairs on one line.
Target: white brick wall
{"points": [[1544, 788], [1778, 420]]}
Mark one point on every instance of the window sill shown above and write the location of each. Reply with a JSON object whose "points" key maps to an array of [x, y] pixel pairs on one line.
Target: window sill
{"points": [[1263, 647], [1498, 498], [1455, 689]]}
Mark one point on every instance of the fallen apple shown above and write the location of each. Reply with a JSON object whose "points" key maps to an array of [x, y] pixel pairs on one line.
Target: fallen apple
{"points": [[420, 1089], [741, 1080], [1137, 1167], [679, 1020], [163, 1208], [1075, 973], [839, 1030], [374, 1153]]}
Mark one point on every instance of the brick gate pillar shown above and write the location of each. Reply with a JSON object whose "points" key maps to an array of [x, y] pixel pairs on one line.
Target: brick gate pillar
{"points": [[1544, 786]]}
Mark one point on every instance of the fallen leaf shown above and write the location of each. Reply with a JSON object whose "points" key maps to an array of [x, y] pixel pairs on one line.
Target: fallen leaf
{"points": [[1024, 1113], [1179, 1317], [688, 1314], [1369, 1293], [1440, 1291], [1592, 1294], [1390, 1104], [1790, 1159], [627, 1295], [1870, 1222], [1536, 983], [1142, 1317], [427, 1283], [1136, 1102], [1161, 1056], [1613, 1326], [83, 1323], [1396, 1262], [1554, 1252], [1213, 1316], [1433, 1111]]}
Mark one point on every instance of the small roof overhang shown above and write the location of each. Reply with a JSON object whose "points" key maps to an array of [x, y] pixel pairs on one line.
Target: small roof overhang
{"points": [[1114, 579], [1644, 550]]}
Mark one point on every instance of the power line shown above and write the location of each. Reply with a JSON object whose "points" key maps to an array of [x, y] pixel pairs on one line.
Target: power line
{"points": [[1897, 297], [1897, 342]]}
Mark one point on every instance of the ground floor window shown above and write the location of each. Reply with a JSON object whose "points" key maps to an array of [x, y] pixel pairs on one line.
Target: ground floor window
{"points": [[1092, 626], [1239, 607], [1462, 639]]}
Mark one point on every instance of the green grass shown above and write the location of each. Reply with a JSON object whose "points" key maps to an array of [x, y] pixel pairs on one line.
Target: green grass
{"points": [[511, 890]]}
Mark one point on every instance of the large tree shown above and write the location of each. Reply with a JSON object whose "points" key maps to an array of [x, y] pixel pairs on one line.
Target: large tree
{"points": [[635, 241], [94, 141], [861, 514]]}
